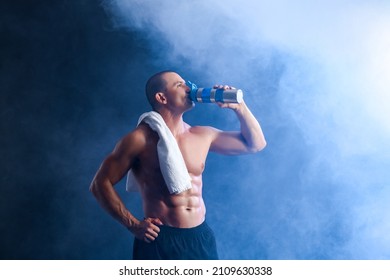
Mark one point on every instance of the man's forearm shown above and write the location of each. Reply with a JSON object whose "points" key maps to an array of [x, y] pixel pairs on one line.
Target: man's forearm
{"points": [[111, 202], [250, 129]]}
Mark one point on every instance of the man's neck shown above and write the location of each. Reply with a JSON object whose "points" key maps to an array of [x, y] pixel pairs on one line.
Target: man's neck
{"points": [[174, 122]]}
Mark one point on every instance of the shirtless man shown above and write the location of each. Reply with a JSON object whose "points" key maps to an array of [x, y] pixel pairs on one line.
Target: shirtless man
{"points": [[174, 227]]}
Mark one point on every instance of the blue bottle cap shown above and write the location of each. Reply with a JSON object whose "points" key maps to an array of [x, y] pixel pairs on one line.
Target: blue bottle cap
{"points": [[193, 89]]}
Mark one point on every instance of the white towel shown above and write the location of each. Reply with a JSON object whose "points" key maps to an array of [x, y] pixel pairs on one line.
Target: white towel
{"points": [[172, 165]]}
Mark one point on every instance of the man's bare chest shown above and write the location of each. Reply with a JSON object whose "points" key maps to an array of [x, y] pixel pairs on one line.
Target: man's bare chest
{"points": [[194, 149]]}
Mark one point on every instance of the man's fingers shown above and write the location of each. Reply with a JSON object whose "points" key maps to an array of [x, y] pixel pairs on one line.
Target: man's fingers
{"points": [[157, 221], [149, 237], [223, 87], [151, 229]]}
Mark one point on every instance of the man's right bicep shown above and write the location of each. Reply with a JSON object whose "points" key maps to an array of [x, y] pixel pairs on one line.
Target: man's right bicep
{"points": [[122, 158]]}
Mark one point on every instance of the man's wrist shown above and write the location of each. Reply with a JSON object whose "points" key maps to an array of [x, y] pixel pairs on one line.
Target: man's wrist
{"points": [[240, 109], [131, 223]]}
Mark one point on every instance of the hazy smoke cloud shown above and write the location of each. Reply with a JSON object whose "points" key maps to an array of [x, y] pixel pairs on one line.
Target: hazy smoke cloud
{"points": [[317, 75]]}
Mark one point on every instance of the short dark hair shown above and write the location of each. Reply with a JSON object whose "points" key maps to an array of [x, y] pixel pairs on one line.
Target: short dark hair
{"points": [[155, 83]]}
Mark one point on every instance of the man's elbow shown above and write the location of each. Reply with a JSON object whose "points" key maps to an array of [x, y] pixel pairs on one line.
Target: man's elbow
{"points": [[257, 147], [94, 187]]}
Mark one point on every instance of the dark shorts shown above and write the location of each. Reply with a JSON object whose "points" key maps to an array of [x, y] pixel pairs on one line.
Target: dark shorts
{"points": [[197, 243]]}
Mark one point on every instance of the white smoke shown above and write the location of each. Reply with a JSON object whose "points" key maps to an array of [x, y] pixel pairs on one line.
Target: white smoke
{"points": [[333, 88]]}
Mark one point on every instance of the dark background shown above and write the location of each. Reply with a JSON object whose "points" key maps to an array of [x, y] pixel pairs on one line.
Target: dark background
{"points": [[70, 88]]}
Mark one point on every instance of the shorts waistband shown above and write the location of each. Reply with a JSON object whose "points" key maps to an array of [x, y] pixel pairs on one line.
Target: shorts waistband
{"points": [[184, 231]]}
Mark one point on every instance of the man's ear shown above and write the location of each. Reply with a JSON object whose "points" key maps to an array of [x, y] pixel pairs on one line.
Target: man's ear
{"points": [[160, 97]]}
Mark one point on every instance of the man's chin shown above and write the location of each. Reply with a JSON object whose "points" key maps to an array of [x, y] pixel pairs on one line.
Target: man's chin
{"points": [[191, 104]]}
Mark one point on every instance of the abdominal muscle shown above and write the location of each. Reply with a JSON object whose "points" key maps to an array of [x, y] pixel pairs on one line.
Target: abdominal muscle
{"points": [[183, 210]]}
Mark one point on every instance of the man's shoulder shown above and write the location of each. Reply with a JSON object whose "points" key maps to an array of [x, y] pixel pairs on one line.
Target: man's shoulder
{"points": [[141, 131], [138, 136], [203, 129]]}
